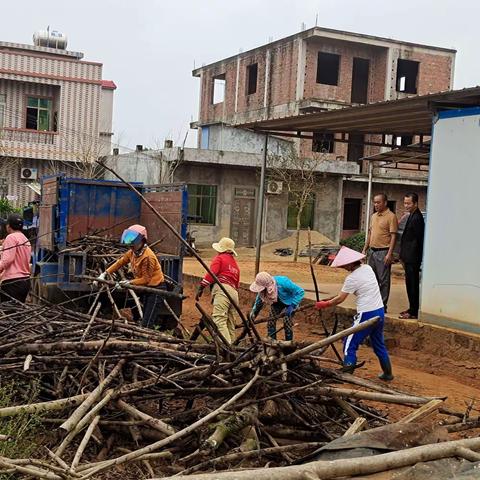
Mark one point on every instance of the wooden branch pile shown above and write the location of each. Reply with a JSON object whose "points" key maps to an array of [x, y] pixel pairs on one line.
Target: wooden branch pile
{"points": [[111, 393]]}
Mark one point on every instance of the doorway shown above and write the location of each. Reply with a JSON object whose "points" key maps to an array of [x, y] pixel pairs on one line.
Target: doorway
{"points": [[360, 71]]}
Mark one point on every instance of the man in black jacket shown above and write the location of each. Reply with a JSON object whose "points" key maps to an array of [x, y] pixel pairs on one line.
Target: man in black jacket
{"points": [[411, 250]]}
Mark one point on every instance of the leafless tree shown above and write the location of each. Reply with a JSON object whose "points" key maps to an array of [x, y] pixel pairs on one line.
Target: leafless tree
{"points": [[297, 173]]}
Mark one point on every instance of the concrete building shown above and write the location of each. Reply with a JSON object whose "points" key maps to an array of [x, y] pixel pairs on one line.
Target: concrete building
{"points": [[318, 70], [55, 114]]}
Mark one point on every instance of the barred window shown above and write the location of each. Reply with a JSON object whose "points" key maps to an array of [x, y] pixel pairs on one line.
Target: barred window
{"points": [[202, 204]]}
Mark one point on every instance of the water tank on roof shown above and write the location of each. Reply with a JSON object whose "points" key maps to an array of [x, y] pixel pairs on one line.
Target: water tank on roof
{"points": [[50, 38]]}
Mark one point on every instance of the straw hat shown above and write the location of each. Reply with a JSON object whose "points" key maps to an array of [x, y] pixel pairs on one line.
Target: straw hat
{"points": [[346, 256], [225, 245]]}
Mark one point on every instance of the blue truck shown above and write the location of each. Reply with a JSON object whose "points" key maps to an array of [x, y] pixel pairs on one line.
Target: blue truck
{"points": [[72, 208]]}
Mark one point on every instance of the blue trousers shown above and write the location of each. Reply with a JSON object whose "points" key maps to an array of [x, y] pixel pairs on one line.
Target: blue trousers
{"points": [[375, 332]]}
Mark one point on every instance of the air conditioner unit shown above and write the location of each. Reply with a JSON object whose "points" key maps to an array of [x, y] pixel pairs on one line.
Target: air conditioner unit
{"points": [[29, 173], [274, 187]]}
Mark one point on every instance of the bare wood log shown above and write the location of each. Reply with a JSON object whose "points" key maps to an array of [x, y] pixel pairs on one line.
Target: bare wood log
{"points": [[374, 396], [155, 423], [422, 412], [326, 470], [83, 443], [50, 406], [347, 408], [91, 399], [327, 341], [90, 323], [357, 426], [467, 454]]}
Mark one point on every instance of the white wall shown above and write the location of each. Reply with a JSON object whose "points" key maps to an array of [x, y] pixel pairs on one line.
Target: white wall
{"points": [[451, 273]]}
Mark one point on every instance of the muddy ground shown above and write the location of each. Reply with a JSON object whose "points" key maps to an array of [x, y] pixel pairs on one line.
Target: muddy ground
{"points": [[415, 371]]}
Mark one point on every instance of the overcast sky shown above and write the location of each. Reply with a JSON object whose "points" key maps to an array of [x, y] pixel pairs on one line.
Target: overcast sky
{"points": [[149, 47]]}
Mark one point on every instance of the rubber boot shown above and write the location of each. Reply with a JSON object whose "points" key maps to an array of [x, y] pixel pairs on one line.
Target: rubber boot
{"points": [[348, 368], [387, 371]]}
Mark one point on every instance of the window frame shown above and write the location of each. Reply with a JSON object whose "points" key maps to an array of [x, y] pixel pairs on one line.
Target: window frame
{"points": [[291, 213], [49, 109], [200, 197], [327, 55], [330, 140], [222, 77], [249, 82], [402, 68]]}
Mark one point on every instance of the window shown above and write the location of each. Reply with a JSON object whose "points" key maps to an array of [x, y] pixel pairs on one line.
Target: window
{"points": [[323, 142], [327, 68], [352, 208], [252, 75], [404, 140], [3, 100], [306, 219], [360, 80], [355, 147], [39, 113], [392, 205], [218, 91], [407, 73], [202, 203]]}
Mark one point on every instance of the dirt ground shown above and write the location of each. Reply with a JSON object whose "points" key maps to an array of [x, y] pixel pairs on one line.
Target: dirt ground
{"points": [[415, 372]]}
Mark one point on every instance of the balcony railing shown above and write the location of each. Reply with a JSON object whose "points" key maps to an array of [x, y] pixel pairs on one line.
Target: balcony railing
{"points": [[27, 136]]}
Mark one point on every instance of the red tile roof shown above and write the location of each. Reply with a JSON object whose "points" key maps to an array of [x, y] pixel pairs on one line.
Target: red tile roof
{"points": [[109, 84]]}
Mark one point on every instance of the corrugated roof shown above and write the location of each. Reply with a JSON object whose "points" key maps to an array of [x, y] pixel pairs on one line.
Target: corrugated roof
{"points": [[109, 84], [407, 116]]}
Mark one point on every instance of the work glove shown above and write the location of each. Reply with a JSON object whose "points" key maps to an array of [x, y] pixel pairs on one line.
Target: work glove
{"points": [[102, 276], [289, 310], [323, 304], [200, 290], [124, 283]]}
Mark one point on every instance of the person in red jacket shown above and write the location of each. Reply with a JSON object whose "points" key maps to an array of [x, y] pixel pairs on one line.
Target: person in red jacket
{"points": [[226, 269]]}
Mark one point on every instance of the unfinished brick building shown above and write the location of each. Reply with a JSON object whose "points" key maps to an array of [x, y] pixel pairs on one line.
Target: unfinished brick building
{"points": [[316, 70]]}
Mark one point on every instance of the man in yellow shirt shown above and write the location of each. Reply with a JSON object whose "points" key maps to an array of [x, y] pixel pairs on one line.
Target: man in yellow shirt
{"points": [[380, 242], [146, 270]]}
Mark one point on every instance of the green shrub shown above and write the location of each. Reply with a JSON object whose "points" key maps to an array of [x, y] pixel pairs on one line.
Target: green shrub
{"points": [[355, 242], [6, 208], [23, 428]]}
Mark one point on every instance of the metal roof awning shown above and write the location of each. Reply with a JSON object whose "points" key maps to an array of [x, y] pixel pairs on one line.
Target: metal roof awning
{"points": [[416, 154], [407, 116]]}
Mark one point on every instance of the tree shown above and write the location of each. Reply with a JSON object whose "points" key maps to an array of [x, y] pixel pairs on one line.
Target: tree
{"points": [[297, 173]]}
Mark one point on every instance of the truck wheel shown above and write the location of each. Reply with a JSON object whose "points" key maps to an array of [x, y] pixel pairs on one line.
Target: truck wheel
{"points": [[47, 293]]}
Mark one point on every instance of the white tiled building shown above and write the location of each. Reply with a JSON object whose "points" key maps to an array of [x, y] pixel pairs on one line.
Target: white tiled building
{"points": [[55, 115]]}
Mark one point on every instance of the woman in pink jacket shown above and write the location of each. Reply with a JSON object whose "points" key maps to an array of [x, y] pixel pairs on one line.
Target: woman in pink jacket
{"points": [[15, 262]]}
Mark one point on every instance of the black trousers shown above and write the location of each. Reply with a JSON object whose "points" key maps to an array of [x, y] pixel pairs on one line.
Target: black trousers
{"points": [[151, 305], [412, 282], [17, 288]]}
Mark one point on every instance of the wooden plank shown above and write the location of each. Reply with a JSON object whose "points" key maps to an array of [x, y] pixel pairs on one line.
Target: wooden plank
{"points": [[358, 425], [422, 412]]}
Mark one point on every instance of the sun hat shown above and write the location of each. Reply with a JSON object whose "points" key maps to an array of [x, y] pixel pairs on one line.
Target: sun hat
{"points": [[262, 281], [346, 256], [225, 244]]}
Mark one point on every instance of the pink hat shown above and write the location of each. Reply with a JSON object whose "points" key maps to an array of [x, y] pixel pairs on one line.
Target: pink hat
{"points": [[262, 281], [346, 256], [139, 229]]}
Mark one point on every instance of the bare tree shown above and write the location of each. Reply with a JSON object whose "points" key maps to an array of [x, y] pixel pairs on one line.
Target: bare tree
{"points": [[297, 173]]}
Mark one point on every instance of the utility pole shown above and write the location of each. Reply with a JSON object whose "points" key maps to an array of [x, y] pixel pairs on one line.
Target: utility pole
{"points": [[261, 204], [369, 198]]}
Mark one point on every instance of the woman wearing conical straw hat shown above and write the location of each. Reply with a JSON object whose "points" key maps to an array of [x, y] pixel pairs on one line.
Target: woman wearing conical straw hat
{"points": [[362, 283]]}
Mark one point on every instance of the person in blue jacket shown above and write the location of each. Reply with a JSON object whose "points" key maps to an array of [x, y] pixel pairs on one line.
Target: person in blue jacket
{"points": [[282, 295]]}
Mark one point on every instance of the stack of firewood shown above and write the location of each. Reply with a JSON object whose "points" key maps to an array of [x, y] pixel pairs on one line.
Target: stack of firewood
{"points": [[113, 394]]}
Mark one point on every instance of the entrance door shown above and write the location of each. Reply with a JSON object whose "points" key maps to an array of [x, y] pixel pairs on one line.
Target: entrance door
{"points": [[243, 216]]}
